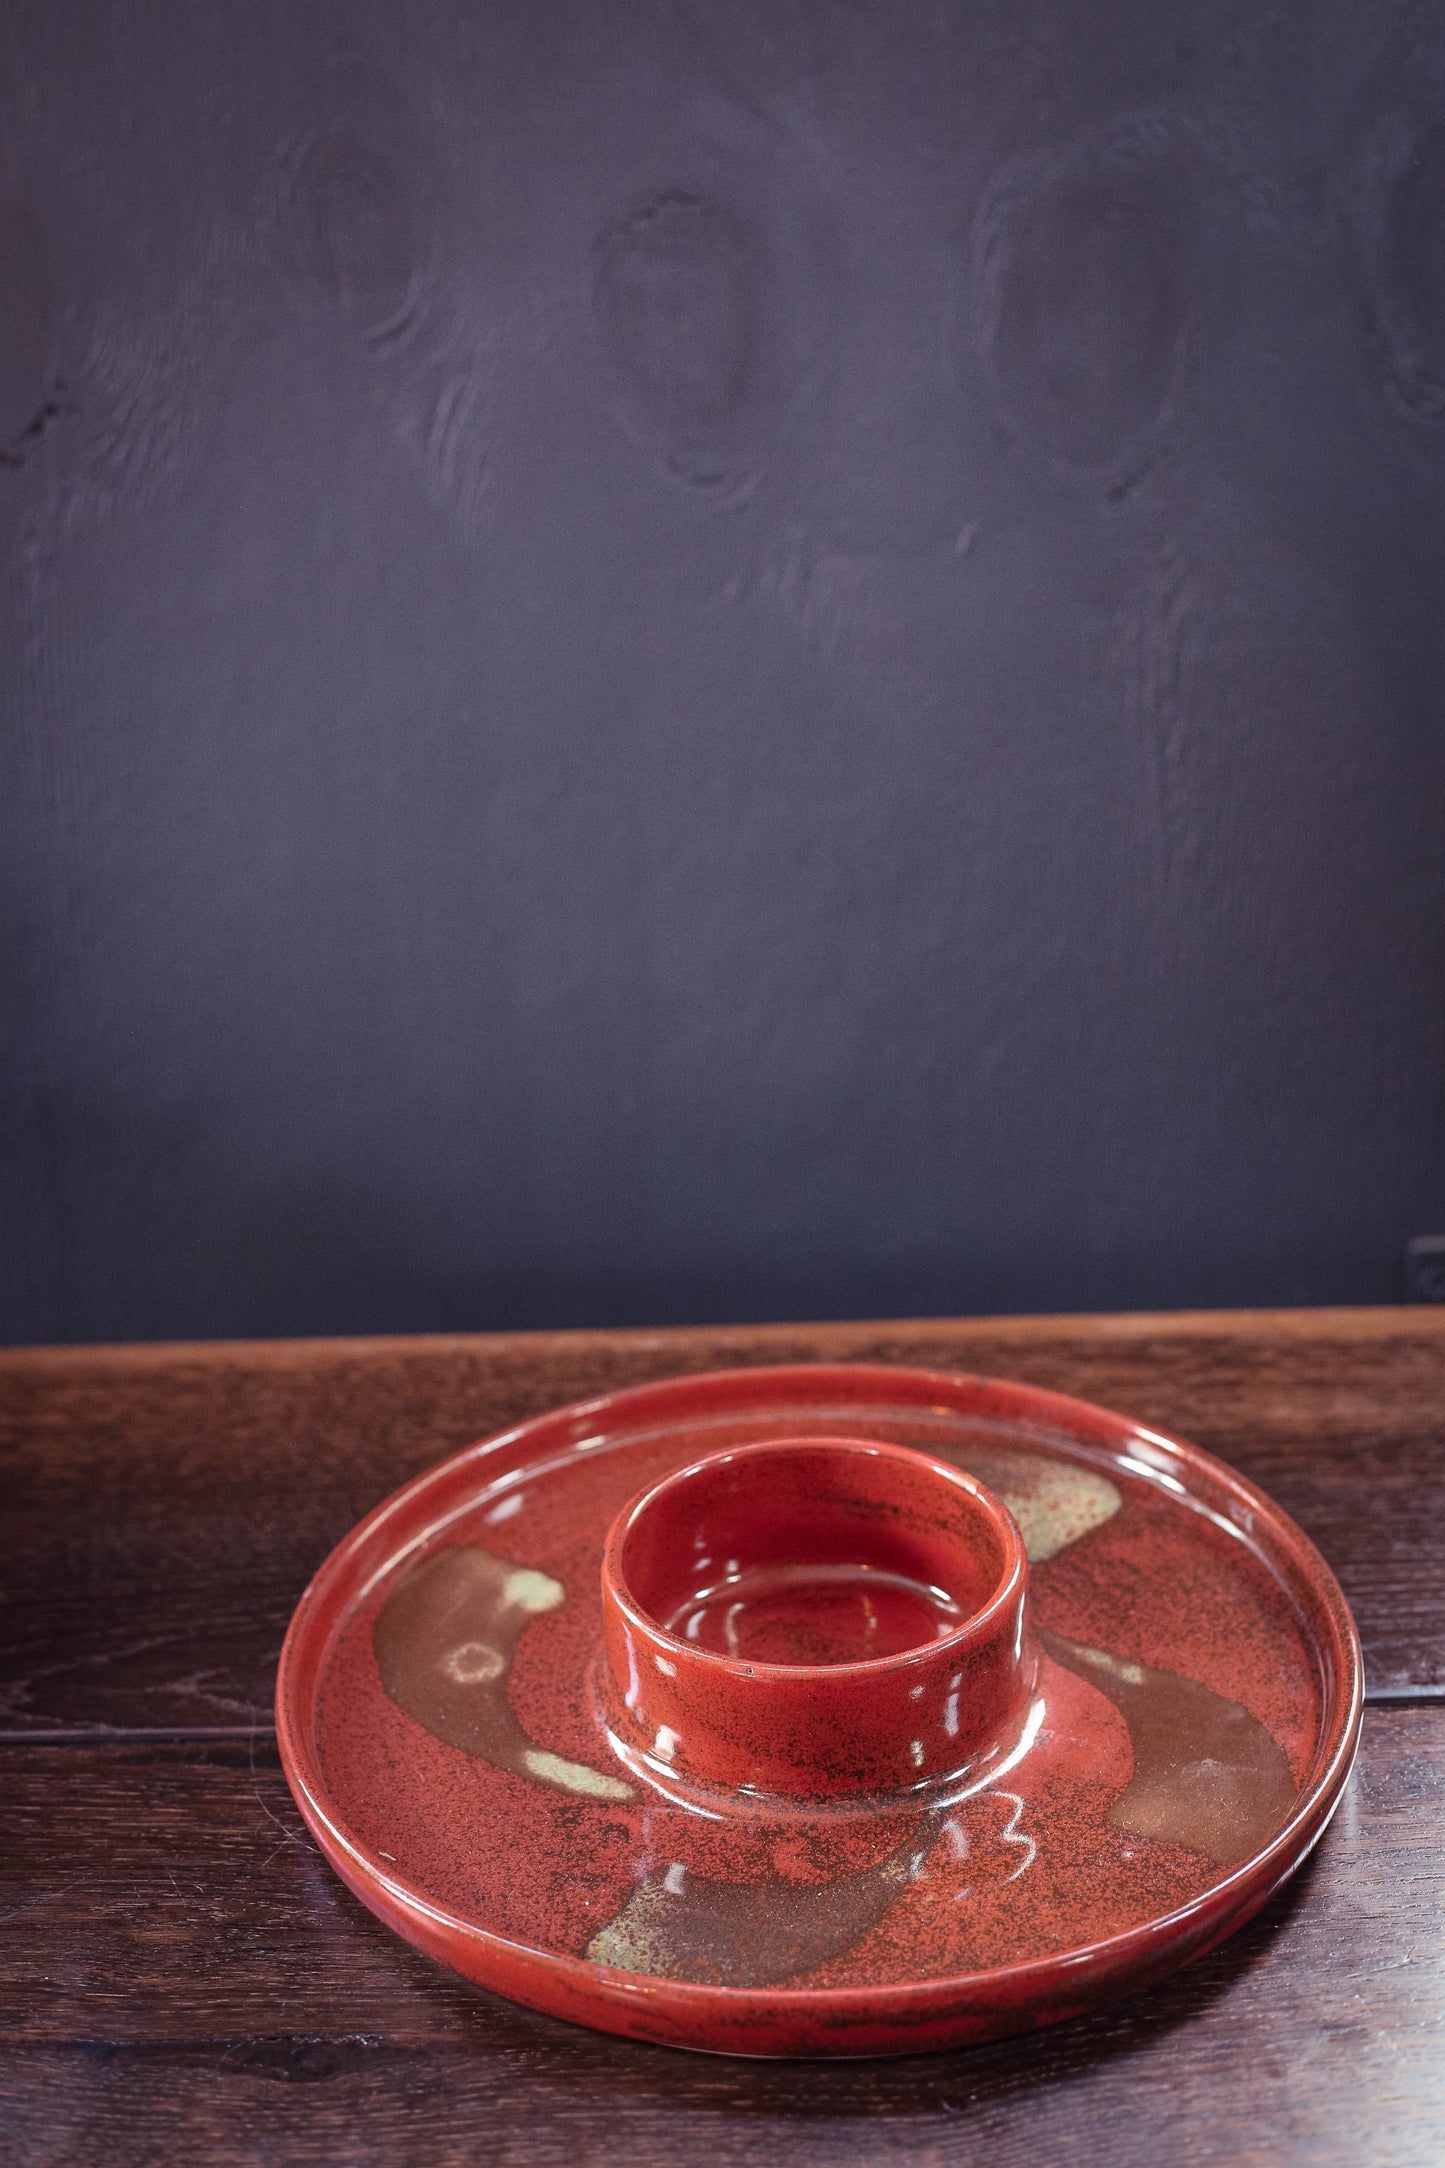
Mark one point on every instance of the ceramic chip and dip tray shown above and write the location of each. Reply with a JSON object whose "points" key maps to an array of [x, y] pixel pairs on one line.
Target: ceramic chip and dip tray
{"points": [[829, 1710]]}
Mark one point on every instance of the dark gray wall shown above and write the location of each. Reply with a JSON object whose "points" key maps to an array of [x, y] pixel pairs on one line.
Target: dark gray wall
{"points": [[672, 661]]}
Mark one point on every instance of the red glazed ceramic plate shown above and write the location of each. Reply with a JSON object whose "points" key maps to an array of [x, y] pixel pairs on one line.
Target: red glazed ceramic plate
{"points": [[820, 1711]]}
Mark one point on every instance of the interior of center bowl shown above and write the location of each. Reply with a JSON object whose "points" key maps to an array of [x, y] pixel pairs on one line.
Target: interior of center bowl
{"points": [[815, 1614], [811, 1553]]}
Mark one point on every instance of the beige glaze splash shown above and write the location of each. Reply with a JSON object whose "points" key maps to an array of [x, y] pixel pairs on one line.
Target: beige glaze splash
{"points": [[1054, 1502]]}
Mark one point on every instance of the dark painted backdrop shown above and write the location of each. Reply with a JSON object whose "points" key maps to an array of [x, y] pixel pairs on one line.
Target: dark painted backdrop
{"points": [[668, 661]]}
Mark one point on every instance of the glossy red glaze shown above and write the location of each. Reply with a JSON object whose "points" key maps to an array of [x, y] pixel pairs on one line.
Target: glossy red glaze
{"points": [[442, 1708], [813, 1617]]}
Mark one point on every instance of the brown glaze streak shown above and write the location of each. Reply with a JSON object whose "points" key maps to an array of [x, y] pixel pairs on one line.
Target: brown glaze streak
{"points": [[680, 1926], [1206, 1772], [444, 1642]]}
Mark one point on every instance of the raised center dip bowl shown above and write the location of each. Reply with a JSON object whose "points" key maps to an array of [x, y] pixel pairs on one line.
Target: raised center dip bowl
{"points": [[815, 1616]]}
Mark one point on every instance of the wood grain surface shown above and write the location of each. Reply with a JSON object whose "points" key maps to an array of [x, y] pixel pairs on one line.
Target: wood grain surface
{"points": [[167, 1505], [181, 1977]]}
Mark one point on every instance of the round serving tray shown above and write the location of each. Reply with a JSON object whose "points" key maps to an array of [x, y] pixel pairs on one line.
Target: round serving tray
{"points": [[1191, 1706]]}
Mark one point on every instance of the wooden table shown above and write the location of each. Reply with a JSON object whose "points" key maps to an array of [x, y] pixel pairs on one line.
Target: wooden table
{"points": [[182, 1979]]}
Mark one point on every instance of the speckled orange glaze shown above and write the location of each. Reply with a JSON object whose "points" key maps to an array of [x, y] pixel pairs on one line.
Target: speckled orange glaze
{"points": [[1117, 1753]]}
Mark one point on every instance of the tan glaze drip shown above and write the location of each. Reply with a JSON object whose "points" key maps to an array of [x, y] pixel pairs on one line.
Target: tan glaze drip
{"points": [[1053, 1502], [1206, 1773], [681, 1926], [444, 1642]]}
